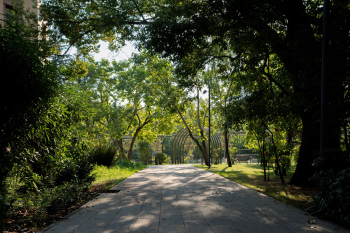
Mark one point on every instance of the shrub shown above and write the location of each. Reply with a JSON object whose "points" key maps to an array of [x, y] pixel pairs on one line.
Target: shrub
{"points": [[161, 157], [124, 163], [144, 148], [29, 84], [104, 154], [63, 196], [333, 179], [76, 169], [167, 160]]}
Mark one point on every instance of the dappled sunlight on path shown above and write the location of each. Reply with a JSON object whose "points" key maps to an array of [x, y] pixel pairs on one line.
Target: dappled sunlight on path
{"points": [[182, 198]]}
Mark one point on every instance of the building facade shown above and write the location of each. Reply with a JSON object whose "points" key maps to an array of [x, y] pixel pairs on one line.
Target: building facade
{"points": [[8, 9]]}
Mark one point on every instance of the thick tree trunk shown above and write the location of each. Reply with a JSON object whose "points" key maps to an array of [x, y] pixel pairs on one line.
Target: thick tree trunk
{"points": [[204, 151], [310, 145]]}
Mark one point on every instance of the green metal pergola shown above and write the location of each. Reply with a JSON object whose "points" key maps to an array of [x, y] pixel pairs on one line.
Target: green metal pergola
{"points": [[180, 138]]}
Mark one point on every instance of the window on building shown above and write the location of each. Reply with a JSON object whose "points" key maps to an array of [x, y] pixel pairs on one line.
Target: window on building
{"points": [[10, 14]]}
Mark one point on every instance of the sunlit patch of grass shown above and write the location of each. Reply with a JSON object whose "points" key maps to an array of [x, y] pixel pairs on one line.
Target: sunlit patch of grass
{"points": [[252, 176], [107, 177]]}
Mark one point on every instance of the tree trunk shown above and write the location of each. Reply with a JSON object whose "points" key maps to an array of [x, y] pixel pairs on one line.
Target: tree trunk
{"points": [[310, 145], [278, 167], [202, 147], [121, 148], [133, 142], [205, 152], [226, 149]]}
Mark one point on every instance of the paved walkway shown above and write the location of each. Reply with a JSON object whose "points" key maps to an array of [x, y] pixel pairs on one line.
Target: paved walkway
{"points": [[182, 198]]}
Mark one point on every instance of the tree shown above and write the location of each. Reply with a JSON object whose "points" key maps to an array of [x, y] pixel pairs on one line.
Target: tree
{"points": [[223, 87], [249, 34], [129, 98], [29, 83], [144, 148], [252, 32]]}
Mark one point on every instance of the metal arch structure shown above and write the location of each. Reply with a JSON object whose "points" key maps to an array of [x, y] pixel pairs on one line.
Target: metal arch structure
{"points": [[180, 138]]}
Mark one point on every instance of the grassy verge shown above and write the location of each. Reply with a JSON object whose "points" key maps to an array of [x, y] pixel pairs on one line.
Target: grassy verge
{"points": [[107, 177], [252, 176]]}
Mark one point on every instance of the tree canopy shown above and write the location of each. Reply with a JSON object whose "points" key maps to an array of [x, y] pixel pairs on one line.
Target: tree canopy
{"points": [[273, 47]]}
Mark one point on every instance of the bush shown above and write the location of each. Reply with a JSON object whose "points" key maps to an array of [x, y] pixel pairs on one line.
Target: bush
{"points": [[104, 154], [76, 169], [144, 148], [64, 196], [29, 82], [333, 180], [162, 157], [167, 160], [124, 163]]}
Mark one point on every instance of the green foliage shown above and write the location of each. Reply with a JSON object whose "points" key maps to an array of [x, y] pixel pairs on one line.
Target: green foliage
{"points": [[162, 157], [42, 149], [104, 154], [107, 177], [109, 90], [29, 82], [215, 156], [168, 159], [76, 169], [144, 148], [233, 152], [333, 179], [64, 196], [124, 163]]}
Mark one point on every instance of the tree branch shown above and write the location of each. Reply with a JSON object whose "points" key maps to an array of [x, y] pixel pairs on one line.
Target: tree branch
{"points": [[80, 36], [271, 79], [140, 12]]}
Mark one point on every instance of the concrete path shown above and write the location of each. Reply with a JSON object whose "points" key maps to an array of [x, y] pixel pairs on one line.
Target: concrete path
{"points": [[182, 198]]}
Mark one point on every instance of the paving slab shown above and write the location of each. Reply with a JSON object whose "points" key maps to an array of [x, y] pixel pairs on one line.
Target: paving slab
{"points": [[183, 198]]}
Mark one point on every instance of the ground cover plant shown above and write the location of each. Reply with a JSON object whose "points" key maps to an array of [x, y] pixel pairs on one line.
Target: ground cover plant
{"points": [[107, 177], [252, 176], [36, 211]]}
